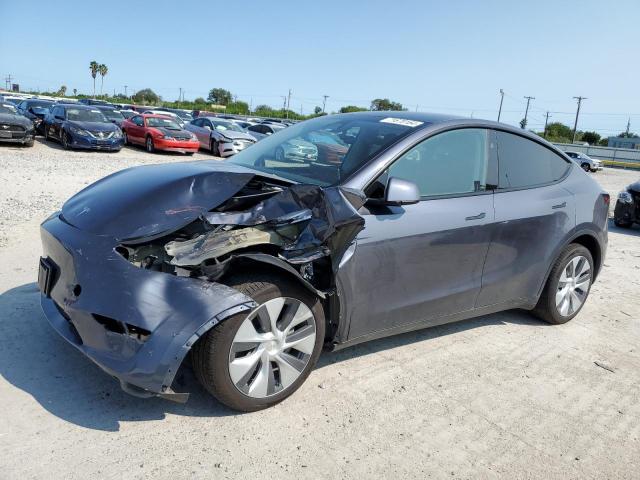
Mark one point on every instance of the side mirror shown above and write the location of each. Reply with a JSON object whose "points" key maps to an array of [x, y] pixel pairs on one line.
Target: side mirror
{"points": [[401, 192]]}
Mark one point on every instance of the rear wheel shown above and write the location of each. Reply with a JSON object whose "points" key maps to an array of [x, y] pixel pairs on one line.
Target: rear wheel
{"points": [[253, 361], [567, 287], [150, 146], [45, 133]]}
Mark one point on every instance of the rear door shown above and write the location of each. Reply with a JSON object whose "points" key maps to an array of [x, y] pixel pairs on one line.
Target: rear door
{"points": [[416, 264], [534, 214]]}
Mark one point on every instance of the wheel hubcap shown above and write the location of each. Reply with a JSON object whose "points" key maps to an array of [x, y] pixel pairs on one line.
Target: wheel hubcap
{"points": [[272, 347], [573, 286]]}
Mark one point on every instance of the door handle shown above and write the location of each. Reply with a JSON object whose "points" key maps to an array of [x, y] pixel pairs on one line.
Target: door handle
{"points": [[476, 217], [560, 205]]}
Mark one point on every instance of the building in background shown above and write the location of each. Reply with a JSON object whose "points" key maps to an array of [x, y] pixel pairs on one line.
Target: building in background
{"points": [[624, 142]]}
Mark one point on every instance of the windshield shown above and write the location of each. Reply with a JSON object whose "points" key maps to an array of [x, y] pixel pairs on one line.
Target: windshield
{"points": [[42, 105], [222, 126], [112, 114], [323, 151], [4, 108], [128, 113], [163, 122], [85, 115], [187, 117]]}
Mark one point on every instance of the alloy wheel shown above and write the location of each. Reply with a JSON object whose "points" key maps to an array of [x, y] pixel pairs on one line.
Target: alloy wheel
{"points": [[573, 285], [272, 347], [149, 145]]}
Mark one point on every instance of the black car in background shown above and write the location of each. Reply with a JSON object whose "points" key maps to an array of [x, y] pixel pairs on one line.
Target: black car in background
{"points": [[113, 115], [35, 110], [15, 128], [92, 101], [82, 126], [627, 211]]}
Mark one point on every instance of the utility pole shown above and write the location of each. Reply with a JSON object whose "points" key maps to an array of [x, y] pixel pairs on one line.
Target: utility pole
{"points": [[501, 99], [300, 109], [7, 81], [416, 107], [575, 125], [628, 126], [284, 103], [125, 91], [324, 101], [526, 112], [180, 95], [288, 103], [250, 105], [546, 120]]}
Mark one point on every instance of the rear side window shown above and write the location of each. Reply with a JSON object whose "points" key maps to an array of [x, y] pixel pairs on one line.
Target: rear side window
{"points": [[524, 163]]}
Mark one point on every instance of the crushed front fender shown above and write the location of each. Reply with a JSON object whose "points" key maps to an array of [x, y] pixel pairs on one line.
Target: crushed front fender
{"points": [[136, 324]]}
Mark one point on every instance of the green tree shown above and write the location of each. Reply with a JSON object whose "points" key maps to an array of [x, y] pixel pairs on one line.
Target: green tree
{"points": [[75, 92], [199, 100], [559, 133], [238, 107], [627, 135], [592, 138], [146, 95], [352, 108], [383, 104], [94, 68], [317, 110], [220, 96], [603, 142], [62, 91], [102, 70]]}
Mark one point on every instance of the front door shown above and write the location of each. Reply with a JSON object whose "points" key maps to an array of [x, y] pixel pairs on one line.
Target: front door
{"points": [[417, 264]]}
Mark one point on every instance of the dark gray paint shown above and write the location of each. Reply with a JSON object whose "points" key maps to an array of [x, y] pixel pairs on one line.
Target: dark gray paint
{"points": [[428, 263]]}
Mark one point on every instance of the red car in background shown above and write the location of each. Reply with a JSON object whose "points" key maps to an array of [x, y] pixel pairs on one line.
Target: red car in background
{"points": [[157, 132]]}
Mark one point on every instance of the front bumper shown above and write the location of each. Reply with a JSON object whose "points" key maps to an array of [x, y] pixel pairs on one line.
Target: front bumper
{"points": [[100, 303], [228, 149], [18, 137], [89, 143], [625, 212], [597, 167], [176, 145]]}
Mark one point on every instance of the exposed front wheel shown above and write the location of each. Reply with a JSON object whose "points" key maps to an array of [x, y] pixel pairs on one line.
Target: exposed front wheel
{"points": [[568, 285], [125, 137], [215, 149], [586, 167], [150, 146], [253, 361]]}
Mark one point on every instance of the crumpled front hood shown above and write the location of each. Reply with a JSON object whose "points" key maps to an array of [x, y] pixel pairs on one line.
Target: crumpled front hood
{"points": [[10, 119], [233, 135], [150, 200]]}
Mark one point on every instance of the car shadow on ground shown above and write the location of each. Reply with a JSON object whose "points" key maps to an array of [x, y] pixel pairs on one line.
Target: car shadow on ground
{"points": [[36, 360], [633, 230]]}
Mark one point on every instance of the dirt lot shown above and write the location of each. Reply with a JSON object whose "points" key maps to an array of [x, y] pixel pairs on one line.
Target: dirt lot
{"points": [[499, 396]]}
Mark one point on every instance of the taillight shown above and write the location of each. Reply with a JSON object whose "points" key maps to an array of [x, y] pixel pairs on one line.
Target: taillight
{"points": [[606, 198]]}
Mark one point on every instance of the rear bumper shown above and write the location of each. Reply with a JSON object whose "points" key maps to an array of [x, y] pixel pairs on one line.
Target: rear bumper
{"points": [[135, 324]]}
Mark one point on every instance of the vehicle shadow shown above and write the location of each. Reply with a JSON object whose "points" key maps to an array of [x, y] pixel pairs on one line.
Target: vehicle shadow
{"points": [[36, 360], [634, 230]]}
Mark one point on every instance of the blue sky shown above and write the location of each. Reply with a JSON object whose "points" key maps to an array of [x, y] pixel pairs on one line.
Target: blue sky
{"points": [[439, 56]]}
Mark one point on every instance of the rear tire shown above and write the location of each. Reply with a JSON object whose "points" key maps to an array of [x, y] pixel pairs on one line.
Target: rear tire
{"points": [[215, 353], [561, 287]]}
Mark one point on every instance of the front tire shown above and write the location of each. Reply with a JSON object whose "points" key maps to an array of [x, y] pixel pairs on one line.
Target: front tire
{"points": [[586, 167], [622, 223], [215, 148], [149, 145], [567, 287], [253, 361], [65, 141], [125, 137]]}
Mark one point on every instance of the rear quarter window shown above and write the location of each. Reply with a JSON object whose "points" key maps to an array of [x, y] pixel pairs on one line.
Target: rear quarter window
{"points": [[523, 163]]}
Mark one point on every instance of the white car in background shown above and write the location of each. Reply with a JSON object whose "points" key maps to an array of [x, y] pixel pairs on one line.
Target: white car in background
{"points": [[587, 163]]}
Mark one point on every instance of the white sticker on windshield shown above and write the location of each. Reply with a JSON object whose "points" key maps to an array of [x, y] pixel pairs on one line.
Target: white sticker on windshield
{"points": [[402, 121]]}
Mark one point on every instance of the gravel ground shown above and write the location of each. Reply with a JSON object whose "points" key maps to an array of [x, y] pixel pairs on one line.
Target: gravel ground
{"points": [[499, 396]]}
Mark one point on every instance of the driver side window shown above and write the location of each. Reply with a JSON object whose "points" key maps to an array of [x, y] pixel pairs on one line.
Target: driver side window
{"points": [[449, 163]]}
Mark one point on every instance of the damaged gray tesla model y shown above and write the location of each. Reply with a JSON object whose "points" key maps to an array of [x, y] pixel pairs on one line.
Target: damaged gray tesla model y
{"points": [[387, 222]]}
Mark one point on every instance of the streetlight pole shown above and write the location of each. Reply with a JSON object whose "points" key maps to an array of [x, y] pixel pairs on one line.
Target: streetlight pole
{"points": [[546, 120]]}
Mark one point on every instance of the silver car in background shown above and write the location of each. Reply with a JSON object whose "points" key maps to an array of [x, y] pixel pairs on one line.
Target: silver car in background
{"points": [[221, 137], [587, 163]]}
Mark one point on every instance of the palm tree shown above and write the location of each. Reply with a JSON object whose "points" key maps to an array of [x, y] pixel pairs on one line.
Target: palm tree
{"points": [[103, 70], [75, 92], [93, 67]]}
